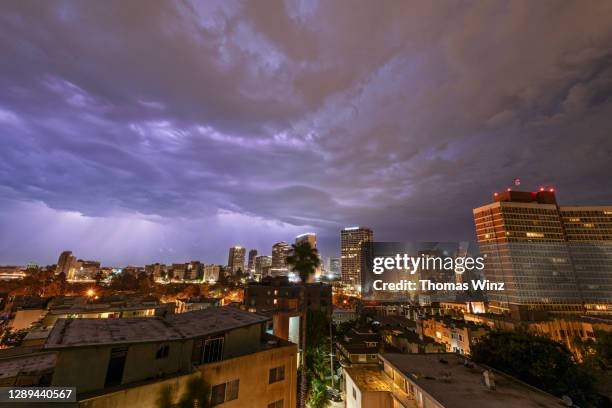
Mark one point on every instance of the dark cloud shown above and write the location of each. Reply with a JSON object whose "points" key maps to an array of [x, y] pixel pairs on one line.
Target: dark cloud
{"points": [[142, 131]]}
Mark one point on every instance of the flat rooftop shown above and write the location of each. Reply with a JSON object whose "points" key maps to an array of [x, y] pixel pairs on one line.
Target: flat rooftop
{"points": [[454, 385], [369, 378], [28, 364], [93, 332]]}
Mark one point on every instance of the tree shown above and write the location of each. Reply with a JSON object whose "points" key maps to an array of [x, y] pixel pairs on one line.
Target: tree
{"points": [[12, 338], [304, 260], [196, 395], [538, 361]]}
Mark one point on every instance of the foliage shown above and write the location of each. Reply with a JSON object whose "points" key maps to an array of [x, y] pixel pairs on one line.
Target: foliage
{"points": [[318, 397], [196, 395], [12, 338], [304, 260], [538, 361], [124, 281]]}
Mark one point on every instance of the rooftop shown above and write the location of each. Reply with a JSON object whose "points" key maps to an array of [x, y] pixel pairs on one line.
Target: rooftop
{"points": [[369, 378], [28, 364], [91, 332], [455, 385]]}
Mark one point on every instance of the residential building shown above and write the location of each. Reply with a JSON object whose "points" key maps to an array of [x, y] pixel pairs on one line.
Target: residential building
{"points": [[282, 301], [359, 346], [196, 303], [133, 362], [438, 381], [457, 335]]}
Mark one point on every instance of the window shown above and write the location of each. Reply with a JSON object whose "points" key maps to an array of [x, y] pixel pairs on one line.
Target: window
{"points": [[162, 351], [276, 404], [354, 393], [276, 374], [207, 350], [225, 392]]}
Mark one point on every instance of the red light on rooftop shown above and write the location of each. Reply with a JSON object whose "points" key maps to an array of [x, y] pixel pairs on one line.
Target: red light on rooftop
{"points": [[495, 194], [542, 188], [552, 190], [509, 190]]}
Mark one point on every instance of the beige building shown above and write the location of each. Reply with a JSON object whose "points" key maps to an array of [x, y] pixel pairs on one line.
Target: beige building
{"points": [[457, 335], [130, 362], [438, 381]]}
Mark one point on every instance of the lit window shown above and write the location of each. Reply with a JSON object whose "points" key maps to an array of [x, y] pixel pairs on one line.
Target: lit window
{"points": [[535, 235]]}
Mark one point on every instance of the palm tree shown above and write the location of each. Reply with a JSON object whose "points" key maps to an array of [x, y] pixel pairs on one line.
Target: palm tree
{"points": [[304, 260]]}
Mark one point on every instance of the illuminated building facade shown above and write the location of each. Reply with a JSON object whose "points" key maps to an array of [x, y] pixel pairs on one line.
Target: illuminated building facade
{"points": [[351, 244], [235, 260], [549, 257]]}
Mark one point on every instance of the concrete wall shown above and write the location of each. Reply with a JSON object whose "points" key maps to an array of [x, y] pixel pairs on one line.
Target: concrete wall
{"points": [[252, 371], [86, 368]]}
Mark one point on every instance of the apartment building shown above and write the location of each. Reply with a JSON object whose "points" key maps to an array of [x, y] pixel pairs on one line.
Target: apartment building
{"points": [[132, 362]]}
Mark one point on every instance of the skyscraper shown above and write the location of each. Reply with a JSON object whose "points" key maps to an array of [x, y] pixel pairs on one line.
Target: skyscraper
{"points": [[251, 262], [549, 257], [333, 267], [262, 265], [280, 250], [236, 259], [351, 244], [67, 263]]}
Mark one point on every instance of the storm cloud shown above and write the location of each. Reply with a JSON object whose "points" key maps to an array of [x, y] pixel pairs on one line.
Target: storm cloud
{"points": [[135, 132]]}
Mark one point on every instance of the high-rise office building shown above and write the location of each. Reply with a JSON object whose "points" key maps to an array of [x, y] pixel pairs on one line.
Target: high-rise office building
{"points": [[68, 264], [235, 260], [549, 257], [280, 251], [333, 267], [263, 263], [251, 262], [351, 245]]}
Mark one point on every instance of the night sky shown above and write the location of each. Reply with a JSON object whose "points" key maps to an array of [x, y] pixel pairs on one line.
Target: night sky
{"points": [[146, 131]]}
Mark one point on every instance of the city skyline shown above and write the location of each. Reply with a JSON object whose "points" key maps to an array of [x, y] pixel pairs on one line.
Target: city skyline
{"points": [[170, 132]]}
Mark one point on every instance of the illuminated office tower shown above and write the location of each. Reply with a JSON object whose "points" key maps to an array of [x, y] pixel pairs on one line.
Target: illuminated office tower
{"points": [[263, 263], [251, 262], [351, 244], [280, 251], [543, 253], [68, 264], [589, 233], [236, 259]]}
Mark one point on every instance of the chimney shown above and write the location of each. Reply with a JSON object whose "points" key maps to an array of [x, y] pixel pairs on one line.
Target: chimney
{"points": [[489, 379]]}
